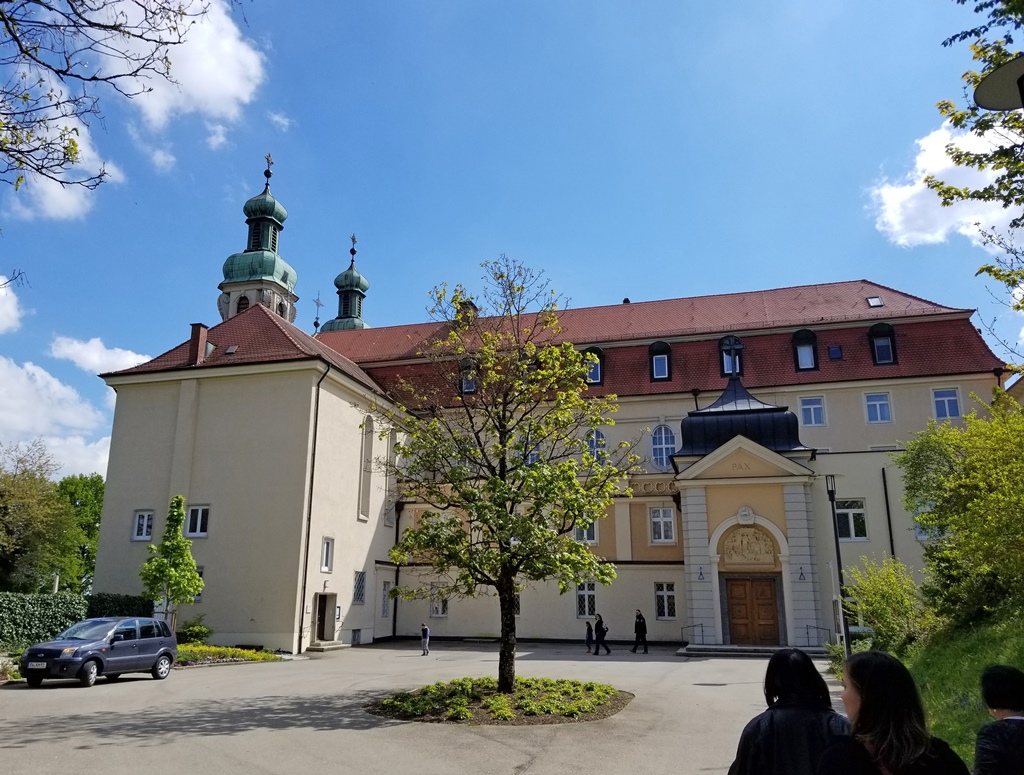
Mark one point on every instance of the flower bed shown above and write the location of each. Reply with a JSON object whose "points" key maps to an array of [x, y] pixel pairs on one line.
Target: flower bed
{"points": [[192, 654]]}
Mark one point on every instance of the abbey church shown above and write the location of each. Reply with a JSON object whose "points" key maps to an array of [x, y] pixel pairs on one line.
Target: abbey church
{"points": [[765, 408]]}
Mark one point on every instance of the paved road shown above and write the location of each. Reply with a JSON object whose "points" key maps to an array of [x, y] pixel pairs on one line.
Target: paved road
{"points": [[305, 716]]}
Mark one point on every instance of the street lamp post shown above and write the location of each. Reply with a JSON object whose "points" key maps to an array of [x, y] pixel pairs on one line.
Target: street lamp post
{"points": [[1003, 88], [830, 487]]}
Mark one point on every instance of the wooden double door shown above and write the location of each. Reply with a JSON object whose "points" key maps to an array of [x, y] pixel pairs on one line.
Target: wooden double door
{"points": [[753, 611]]}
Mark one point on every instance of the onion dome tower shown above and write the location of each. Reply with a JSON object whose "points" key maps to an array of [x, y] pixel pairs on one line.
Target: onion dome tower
{"points": [[259, 275], [352, 287]]}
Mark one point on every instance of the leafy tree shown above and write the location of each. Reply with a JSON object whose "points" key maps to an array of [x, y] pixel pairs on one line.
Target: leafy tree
{"points": [[169, 574], [966, 485], [494, 439], [39, 536], [884, 596], [84, 495], [55, 53], [991, 43]]}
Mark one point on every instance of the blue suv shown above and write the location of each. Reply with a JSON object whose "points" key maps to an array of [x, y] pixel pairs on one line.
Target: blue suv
{"points": [[109, 647]]}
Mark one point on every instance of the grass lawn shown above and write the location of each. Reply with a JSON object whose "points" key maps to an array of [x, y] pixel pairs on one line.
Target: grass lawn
{"points": [[477, 701]]}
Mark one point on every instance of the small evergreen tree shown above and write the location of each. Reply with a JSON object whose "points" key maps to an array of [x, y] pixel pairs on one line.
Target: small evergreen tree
{"points": [[169, 574]]}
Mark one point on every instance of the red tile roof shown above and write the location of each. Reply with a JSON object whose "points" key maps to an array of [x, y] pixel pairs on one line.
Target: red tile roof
{"points": [[259, 336], [806, 305]]}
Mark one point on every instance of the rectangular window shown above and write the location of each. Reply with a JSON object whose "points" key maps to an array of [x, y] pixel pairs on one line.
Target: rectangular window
{"points": [[385, 600], [586, 535], [659, 367], [665, 600], [438, 603], [835, 352], [878, 407], [365, 480], [327, 555], [594, 372], [663, 525], [883, 349], [198, 521], [852, 520], [805, 357], [586, 600], [359, 588], [518, 605], [731, 364], [947, 403], [143, 526], [812, 410]]}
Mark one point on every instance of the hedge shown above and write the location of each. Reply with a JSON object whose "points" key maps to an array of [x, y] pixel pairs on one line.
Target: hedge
{"points": [[26, 619]]}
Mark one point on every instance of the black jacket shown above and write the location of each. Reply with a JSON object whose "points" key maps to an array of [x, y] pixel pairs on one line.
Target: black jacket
{"points": [[999, 749], [849, 757], [787, 739]]}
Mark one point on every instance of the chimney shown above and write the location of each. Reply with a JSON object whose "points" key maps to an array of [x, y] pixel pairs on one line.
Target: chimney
{"points": [[197, 344]]}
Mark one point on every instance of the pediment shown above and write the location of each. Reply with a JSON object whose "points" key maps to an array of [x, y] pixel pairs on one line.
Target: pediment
{"points": [[741, 458]]}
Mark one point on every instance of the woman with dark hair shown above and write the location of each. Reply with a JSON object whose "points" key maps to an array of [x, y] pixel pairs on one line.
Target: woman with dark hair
{"points": [[890, 736], [999, 749], [789, 737]]}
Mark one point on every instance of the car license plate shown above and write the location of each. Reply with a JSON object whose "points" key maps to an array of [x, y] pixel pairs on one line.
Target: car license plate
{"points": [[36, 665]]}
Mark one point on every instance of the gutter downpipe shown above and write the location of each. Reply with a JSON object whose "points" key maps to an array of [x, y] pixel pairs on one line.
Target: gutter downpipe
{"points": [[888, 514], [309, 507], [398, 568]]}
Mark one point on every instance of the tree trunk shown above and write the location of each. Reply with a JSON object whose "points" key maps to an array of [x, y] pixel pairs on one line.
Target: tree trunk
{"points": [[507, 655]]}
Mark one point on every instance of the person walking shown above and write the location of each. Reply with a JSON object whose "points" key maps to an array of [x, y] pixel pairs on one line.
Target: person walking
{"points": [[889, 732], [600, 631], [789, 737], [590, 636], [425, 639], [639, 632], [999, 749]]}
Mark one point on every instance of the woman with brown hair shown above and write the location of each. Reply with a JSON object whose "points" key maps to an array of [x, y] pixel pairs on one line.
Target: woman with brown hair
{"points": [[890, 736]]}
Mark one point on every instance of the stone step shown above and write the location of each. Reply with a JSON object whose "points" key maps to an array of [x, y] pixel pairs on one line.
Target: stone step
{"points": [[327, 645], [764, 652]]}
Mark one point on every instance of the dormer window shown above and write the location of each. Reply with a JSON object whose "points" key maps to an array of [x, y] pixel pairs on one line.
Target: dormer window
{"points": [[661, 362], [882, 339], [730, 349], [805, 350], [243, 304], [467, 376], [595, 369]]}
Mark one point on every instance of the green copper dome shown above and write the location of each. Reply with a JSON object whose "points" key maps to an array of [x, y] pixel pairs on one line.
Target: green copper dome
{"points": [[259, 265], [344, 324], [351, 280], [264, 205]]}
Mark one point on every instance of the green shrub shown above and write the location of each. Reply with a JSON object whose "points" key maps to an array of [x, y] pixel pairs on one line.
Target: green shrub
{"points": [[837, 654], [884, 596], [32, 618], [198, 653], [194, 631], [109, 604]]}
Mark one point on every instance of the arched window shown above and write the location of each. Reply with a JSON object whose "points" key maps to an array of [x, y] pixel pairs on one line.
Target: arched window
{"points": [[882, 338], [597, 443], [805, 350], [730, 348], [243, 304], [663, 446], [595, 371], [660, 354], [280, 309]]}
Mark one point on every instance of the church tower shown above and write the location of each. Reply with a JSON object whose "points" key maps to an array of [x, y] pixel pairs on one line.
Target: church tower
{"points": [[352, 288], [259, 275]]}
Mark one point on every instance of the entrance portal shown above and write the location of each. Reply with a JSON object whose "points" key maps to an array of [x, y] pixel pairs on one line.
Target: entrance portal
{"points": [[753, 611], [324, 628]]}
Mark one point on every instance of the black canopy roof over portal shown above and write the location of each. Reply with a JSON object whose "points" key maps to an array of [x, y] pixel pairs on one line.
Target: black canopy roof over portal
{"points": [[737, 413]]}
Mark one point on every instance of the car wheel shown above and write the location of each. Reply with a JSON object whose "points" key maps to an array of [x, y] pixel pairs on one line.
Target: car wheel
{"points": [[34, 681], [112, 676], [87, 675], [162, 668]]}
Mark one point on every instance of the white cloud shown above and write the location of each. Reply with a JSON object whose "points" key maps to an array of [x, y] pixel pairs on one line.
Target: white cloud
{"points": [[162, 160], [10, 311], [909, 213], [79, 456], [217, 137], [93, 356], [35, 403], [217, 72], [280, 120]]}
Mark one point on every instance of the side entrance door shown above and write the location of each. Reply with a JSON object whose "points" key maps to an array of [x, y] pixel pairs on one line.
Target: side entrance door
{"points": [[753, 611]]}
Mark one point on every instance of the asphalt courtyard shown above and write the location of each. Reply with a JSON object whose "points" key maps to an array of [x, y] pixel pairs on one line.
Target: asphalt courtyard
{"points": [[306, 716]]}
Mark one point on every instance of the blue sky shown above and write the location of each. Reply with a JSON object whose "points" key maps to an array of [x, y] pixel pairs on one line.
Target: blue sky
{"points": [[648, 150]]}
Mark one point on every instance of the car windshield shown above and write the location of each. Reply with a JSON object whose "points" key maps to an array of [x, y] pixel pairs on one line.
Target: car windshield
{"points": [[87, 630]]}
